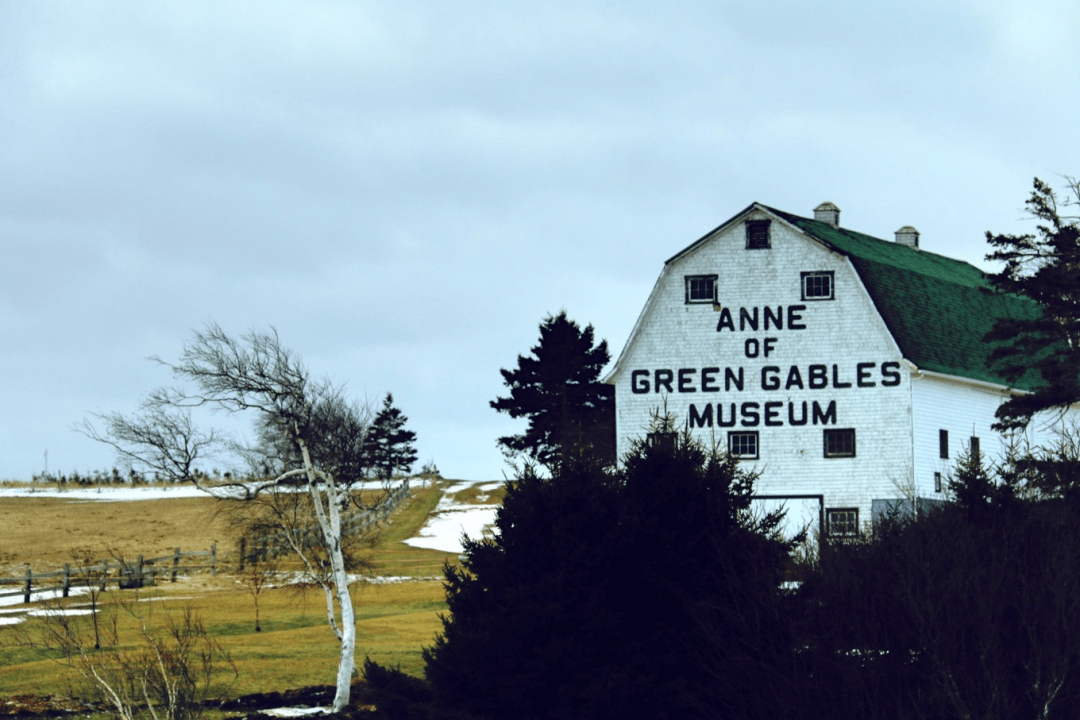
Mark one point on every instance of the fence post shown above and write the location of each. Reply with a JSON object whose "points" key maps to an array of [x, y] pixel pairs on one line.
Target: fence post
{"points": [[26, 588], [175, 563], [243, 551], [139, 572], [104, 574], [67, 579], [213, 559]]}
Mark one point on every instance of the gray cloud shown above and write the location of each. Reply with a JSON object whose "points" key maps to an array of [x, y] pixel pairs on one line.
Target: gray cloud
{"points": [[405, 189]]}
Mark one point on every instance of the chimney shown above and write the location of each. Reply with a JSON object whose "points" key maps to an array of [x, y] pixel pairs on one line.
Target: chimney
{"points": [[827, 213], [909, 236]]}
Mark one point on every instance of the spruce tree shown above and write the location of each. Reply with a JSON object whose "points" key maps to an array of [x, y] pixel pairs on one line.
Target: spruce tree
{"points": [[389, 447], [570, 412]]}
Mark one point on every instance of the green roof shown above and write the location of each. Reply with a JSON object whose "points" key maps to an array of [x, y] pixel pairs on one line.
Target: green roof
{"points": [[938, 309]]}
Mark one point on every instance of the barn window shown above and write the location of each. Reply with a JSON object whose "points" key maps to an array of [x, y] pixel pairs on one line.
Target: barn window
{"points": [[840, 443], [842, 522], [757, 234], [974, 449], [743, 445], [701, 288], [817, 285], [943, 444], [937, 482]]}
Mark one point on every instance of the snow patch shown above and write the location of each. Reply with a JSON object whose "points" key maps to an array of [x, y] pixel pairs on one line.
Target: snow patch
{"points": [[290, 712], [39, 595], [449, 521]]}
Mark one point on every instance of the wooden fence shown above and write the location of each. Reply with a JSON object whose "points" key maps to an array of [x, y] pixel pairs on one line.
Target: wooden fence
{"points": [[147, 571], [125, 574], [263, 545]]}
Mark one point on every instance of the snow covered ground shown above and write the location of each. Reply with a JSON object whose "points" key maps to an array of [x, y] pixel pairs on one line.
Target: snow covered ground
{"points": [[124, 493], [104, 494], [451, 519]]}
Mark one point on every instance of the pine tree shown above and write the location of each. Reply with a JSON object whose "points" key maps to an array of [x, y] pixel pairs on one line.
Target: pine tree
{"points": [[570, 412], [1045, 268], [971, 484], [389, 446]]}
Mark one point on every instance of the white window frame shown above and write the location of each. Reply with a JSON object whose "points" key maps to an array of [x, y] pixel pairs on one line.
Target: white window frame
{"points": [[849, 522], [746, 435], [806, 279], [691, 279]]}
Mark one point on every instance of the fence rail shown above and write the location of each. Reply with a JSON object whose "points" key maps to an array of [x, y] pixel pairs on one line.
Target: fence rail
{"points": [[271, 544], [143, 571], [125, 574]]}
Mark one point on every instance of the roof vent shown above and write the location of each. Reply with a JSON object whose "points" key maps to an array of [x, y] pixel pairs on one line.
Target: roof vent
{"points": [[827, 213], [909, 236]]}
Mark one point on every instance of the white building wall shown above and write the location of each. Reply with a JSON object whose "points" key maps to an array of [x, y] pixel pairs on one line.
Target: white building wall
{"points": [[845, 336], [965, 410]]}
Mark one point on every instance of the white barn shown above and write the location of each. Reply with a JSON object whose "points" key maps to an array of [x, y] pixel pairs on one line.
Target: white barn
{"points": [[850, 371]]}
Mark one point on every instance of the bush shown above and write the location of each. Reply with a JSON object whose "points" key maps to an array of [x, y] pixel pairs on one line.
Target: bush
{"points": [[613, 595]]}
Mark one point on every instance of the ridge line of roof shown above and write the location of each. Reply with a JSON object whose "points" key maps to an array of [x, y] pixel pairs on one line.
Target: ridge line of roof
{"points": [[891, 253]]}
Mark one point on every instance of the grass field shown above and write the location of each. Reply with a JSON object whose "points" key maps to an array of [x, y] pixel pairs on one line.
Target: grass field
{"points": [[296, 648]]}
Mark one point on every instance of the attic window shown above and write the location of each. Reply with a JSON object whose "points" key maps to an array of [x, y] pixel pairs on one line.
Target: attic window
{"points": [[817, 285], [700, 288], [757, 234]]}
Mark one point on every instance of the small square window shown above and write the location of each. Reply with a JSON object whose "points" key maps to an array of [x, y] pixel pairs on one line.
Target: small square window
{"points": [[701, 288], [743, 445], [817, 285], [840, 443], [757, 234], [842, 522]]}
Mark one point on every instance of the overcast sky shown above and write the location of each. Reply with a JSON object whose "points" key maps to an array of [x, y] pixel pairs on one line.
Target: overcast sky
{"points": [[405, 189]]}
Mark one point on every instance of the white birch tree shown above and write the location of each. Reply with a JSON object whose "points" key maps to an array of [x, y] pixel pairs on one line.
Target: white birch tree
{"points": [[309, 454]]}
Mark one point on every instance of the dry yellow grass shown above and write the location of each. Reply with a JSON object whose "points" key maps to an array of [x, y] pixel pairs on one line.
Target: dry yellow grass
{"points": [[296, 647], [45, 531]]}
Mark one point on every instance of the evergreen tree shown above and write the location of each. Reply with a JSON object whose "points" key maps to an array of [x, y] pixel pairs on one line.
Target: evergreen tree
{"points": [[1044, 267], [971, 485], [389, 446], [652, 592], [570, 412]]}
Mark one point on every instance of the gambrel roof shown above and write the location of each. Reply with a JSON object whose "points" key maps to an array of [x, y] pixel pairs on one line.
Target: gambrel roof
{"points": [[937, 309]]}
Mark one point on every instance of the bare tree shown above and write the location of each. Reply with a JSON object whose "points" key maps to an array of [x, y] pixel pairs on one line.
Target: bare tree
{"points": [[160, 439], [261, 571], [91, 577], [308, 454], [165, 675]]}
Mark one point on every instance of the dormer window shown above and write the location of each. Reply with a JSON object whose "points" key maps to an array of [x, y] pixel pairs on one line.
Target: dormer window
{"points": [[700, 289], [757, 234]]}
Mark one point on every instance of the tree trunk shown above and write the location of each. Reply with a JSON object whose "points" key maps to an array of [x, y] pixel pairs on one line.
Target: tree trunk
{"points": [[329, 517]]}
